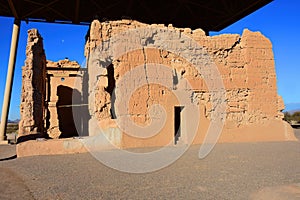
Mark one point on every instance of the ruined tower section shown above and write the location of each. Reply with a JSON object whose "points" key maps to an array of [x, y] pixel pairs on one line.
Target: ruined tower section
{"points": [[246, 64], [33, 86]]}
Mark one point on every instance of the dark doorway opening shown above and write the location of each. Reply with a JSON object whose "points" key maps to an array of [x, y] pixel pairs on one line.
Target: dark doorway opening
{"points": [[111, 88], [64, 111], [177, 123]]}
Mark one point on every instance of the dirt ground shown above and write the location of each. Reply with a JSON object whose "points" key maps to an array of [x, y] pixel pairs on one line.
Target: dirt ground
{"points": [[263, 171], [297, 133]]}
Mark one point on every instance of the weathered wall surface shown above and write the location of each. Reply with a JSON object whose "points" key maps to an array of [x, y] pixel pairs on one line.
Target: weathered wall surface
{"points": [[33, 86], [64, 89], [51, 91], [246, 65]]}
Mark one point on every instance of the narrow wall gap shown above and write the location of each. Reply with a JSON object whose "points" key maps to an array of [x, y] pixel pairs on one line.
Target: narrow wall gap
{"points": [[111, 88], [177, 123]]}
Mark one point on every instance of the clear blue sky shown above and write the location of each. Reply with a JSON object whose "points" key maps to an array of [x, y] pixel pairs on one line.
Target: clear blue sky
{"points": [[279, 21]]}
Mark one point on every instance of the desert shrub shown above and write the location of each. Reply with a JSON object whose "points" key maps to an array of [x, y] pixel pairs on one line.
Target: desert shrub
{"points": [[292, 117], [296, 116], [12, 128]]}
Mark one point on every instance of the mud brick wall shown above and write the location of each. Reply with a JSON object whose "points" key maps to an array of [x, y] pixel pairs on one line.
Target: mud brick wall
{"points": [[32, 106], [245, 62]]}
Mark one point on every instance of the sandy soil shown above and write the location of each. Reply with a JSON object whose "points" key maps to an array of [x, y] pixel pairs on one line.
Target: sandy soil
{"points": [[269, 170], [297, 133]]}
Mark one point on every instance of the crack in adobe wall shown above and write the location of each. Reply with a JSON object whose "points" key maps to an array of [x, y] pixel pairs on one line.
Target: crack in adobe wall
{"points": [[146, 77], [234, 45]]}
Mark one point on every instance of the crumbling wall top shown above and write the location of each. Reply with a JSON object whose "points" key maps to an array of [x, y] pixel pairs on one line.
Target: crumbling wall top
{"points": [[66, 63]]}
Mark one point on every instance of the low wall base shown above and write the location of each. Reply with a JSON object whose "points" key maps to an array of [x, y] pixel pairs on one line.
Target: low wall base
{"points": [[50, 147], [272, 131]]}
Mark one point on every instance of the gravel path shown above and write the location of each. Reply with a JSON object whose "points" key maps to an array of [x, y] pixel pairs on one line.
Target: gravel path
{"points": [[231, 171], [297, 133]]}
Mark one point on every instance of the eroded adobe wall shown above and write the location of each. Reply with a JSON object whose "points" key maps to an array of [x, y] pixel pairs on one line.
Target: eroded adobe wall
{"points": [[64, 95], [33, 86], [245, 62], [51, 91]]}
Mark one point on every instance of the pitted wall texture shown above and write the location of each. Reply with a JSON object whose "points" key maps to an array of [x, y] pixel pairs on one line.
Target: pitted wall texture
{"points": [[245, 63], [33, 86]]}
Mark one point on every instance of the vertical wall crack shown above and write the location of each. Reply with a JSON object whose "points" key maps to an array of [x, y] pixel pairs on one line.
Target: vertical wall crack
{"points": [[146, 76]]}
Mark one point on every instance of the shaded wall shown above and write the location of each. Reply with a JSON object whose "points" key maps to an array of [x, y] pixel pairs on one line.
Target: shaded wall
{"points": [[53, 98], [67, 113]]}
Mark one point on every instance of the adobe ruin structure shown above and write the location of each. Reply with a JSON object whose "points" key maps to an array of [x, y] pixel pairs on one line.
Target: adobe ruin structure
{"points": [[245, 62], [47, 91], [209, 16]]}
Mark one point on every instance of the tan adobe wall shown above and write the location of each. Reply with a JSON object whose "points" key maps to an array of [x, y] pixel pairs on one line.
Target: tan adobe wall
{"points": [[246, 65], [33, 86], [159, 76], [64, 89], [50, 93]]}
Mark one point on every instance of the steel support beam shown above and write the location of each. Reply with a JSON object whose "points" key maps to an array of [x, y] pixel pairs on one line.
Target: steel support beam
{"points": [[9, 78]]}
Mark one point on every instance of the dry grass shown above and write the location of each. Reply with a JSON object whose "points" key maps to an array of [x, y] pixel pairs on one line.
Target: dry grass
{"points": [[12, 127]]}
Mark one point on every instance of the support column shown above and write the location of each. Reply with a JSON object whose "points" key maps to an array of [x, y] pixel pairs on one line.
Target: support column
{"points": [[9, 78]]}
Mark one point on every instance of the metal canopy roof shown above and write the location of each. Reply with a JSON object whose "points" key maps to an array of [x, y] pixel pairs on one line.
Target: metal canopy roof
{"points": [[210, 15]]}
